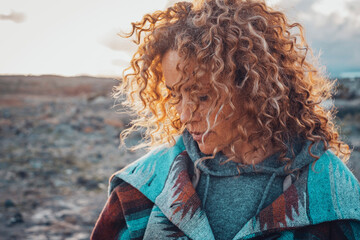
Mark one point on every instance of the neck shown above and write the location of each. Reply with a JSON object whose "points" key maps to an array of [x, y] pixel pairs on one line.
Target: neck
{"points": [[249, 153]]}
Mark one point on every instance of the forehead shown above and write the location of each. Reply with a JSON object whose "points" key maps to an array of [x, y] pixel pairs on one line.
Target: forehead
{"points": [[170, 61]]}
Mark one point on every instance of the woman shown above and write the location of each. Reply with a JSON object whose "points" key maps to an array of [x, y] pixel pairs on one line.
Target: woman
{"points": [[246, 149]]}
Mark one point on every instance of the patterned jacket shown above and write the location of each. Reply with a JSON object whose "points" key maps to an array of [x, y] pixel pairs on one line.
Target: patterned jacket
{"points": [[153, 198]]}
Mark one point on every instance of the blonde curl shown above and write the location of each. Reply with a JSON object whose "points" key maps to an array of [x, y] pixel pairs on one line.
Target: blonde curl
{"points": [[251, 50]]}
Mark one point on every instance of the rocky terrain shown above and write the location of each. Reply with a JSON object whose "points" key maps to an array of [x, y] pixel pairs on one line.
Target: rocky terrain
{"points": [[59, 143]]}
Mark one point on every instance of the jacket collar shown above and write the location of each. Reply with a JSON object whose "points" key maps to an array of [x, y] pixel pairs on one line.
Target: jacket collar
{"points": [[180, 203], [149, 173], [162, 176], [324, 192]]}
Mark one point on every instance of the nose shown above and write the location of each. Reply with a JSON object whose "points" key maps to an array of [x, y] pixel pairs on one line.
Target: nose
{"points": [[185, 114], [184, 111], [187, 111]]}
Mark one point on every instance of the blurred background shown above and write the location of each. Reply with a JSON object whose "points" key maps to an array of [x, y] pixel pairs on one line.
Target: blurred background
{"points": [[59, 129]]}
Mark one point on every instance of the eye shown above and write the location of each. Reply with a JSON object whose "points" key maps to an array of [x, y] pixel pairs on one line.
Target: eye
{"points": [[174, 98], [203, 98]]}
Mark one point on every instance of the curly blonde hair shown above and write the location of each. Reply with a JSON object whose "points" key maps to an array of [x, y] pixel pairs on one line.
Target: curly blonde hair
{"points": [[250, 50]]}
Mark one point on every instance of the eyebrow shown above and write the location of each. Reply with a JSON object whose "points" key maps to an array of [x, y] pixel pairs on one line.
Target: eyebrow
{"points": [[171, 89]]}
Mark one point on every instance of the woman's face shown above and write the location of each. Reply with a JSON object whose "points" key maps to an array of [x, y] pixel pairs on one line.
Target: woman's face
{"points": [[221, 132]]}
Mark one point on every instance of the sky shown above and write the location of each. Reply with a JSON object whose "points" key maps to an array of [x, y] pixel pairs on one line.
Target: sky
{"points": [[79, 37]]}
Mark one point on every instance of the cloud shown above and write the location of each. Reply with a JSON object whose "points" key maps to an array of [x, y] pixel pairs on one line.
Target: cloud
{"points": [[335, 35], [115, 42], [353, 7], [16, 17], [169, 3], [120, 62]]}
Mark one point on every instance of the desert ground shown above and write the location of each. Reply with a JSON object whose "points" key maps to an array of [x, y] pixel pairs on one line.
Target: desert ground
{"points": [[59, 144]]}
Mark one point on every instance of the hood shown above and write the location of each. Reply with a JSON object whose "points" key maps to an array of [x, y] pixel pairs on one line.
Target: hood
{"points": [[216, 166], [271, 166]]}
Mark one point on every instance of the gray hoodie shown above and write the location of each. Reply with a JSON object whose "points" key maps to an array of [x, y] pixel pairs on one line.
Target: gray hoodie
{"points": [[230, 199]]}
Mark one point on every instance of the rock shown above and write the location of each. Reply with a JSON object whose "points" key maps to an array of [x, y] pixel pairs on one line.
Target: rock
{"points": [[15, 219], [348, 88], [36, 163], [347, 107], [5, 113], [4, 122], [79, 236], [88, 129], [70, 218], [41, 237], [95, 158], [62, 142], [22, 174], [89, 184], [43, 217], [36, 230], [98, 100], [9, 203], [52, 121], [58, 182], [118, 123]]}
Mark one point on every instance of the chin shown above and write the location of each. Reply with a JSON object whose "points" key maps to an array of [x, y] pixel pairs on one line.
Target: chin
{"points": [[205, 149]]}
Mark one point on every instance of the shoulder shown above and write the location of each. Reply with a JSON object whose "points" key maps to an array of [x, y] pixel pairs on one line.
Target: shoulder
{"points": [[333, 191], [328, 170], [148, 173]]}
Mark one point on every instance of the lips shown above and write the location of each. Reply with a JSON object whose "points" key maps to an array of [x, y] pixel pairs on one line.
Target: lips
{"points": [[197, 136]]}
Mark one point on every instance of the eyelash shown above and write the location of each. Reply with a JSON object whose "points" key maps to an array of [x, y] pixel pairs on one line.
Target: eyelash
{"points": [[203, 98], [173, 95]]}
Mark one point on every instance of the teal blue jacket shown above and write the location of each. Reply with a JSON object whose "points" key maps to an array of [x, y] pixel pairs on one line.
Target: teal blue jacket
{"points": [[156, 200]]}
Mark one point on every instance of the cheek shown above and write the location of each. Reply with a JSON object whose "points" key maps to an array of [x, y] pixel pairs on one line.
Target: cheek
{"points": [[226, 129], [178, 108], [206, 148]]}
